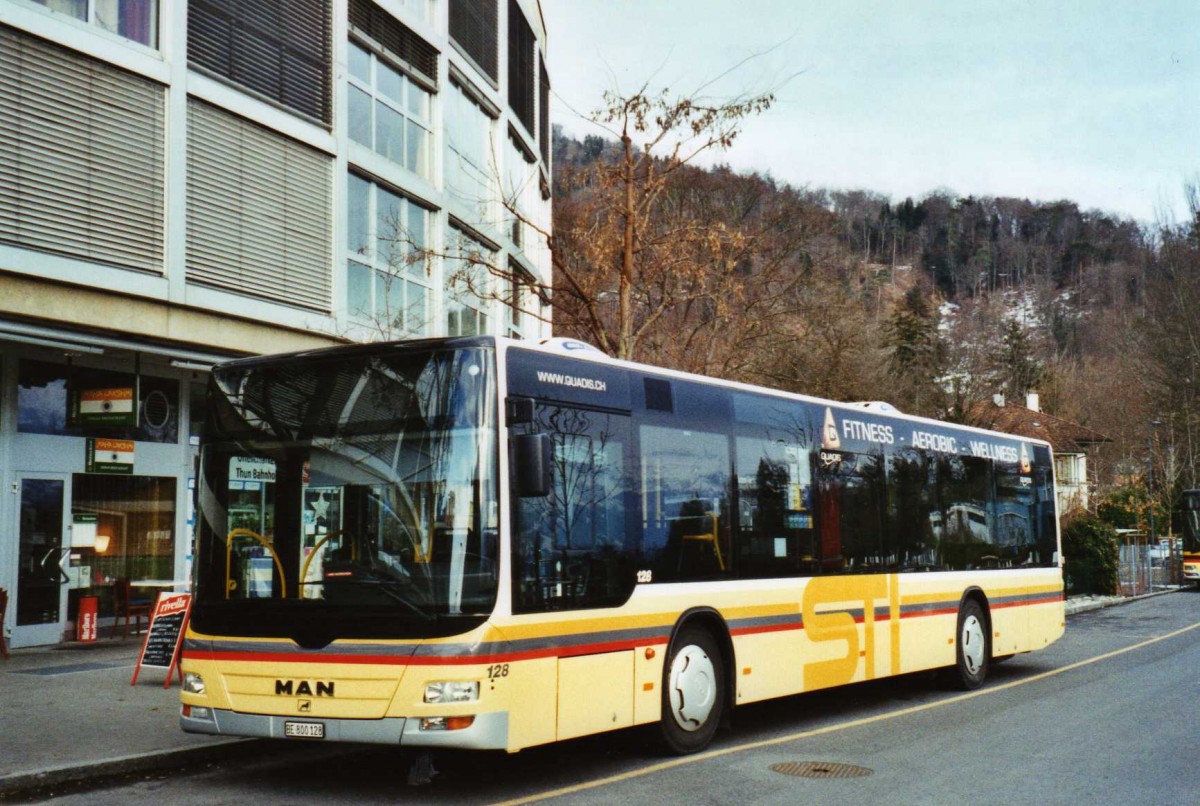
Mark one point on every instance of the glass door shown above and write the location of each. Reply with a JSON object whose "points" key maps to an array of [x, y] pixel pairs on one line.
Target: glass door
{"points": [[41, 596]]}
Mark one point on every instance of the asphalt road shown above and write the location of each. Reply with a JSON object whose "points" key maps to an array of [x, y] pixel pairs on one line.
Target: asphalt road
{"points": [[1105, 716]]}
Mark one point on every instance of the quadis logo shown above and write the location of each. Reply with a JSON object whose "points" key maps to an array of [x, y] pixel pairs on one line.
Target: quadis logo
{"points": [[302, 688]]}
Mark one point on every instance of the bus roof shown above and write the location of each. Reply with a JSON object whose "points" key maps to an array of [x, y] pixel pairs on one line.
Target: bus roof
{"points": [[582, 351]]}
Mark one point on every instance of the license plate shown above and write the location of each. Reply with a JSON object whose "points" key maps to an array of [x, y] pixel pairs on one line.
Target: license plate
{"points": [[304, 730]]}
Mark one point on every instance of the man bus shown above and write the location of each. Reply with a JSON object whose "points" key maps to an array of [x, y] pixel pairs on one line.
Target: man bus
{"points": [[485, 543]]}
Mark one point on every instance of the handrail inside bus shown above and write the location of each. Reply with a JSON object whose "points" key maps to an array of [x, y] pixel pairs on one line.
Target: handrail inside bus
{"points": [[313, 553], [263, 542]]}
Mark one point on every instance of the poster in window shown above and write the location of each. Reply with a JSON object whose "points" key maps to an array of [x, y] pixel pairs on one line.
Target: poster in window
{"points": [[107, 406], [113, 456]]}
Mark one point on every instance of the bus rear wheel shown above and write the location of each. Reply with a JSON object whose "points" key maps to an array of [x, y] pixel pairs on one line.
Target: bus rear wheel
{"points": [[693, 699], [973, 650]]}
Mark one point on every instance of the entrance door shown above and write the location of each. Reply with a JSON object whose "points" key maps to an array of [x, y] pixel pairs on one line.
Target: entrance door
{"points": [[41, 597]]}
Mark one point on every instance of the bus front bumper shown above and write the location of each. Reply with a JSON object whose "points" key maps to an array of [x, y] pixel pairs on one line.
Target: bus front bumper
{"points": [[486, 732]]}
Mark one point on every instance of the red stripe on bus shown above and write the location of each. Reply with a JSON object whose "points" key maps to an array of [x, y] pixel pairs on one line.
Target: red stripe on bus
{"points": [[941, 611]]}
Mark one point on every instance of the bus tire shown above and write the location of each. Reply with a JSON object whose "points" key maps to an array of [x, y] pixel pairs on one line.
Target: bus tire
{"points": [[693, 699], [973, 650]]}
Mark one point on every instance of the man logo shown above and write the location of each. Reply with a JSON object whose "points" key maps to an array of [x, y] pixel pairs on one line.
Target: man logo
{"points": [[324, 688], [304, 706]]}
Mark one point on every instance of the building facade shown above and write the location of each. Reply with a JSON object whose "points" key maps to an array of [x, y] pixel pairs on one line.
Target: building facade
{"points": [[186, 182]]}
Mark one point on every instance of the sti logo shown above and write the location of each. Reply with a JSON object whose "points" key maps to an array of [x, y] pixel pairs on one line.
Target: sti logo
{"points": [[302, 688]]}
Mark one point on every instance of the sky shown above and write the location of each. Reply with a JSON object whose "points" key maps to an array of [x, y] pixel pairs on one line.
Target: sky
{"points": [[1095, 101]]}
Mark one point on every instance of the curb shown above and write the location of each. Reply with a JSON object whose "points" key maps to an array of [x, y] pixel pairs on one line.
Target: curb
{"points": [[25, 784], [1085, 605]]}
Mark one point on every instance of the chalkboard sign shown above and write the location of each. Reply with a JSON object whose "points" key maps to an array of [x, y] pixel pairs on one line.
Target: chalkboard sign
{"points": [[165, 636]]}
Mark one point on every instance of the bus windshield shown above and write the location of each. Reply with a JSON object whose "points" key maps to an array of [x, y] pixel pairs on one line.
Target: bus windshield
{"points": [[1191, 520], [349, 497]]}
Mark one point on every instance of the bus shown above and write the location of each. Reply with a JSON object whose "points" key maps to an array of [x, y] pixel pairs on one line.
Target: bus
{"points": [[495, 544], [1191, 536]]}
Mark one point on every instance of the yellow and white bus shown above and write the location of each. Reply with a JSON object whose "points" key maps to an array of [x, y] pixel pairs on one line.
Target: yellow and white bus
{"points": [[1190, 554], [484, 543]]}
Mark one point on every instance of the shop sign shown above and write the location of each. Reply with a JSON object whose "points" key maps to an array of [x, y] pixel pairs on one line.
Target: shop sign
{"points": [[113, 456], [251, 468], [112, 406]]}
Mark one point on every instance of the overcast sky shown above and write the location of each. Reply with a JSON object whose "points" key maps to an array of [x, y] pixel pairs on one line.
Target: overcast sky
{"points": [[1096, 101]]}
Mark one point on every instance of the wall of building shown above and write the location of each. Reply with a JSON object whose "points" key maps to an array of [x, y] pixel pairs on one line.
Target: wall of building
{"points": [[183, 182]]}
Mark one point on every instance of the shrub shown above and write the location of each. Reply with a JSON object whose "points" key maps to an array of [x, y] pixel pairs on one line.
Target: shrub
{"points": [[1092, 555]]}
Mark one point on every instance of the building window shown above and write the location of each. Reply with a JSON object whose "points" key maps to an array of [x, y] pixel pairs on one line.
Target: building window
{"points": [[133, 19], [520, 65], [389, 112], [279, 49], [81, 156], [468, 284], [469, 175], [520, 186], [134, 522], [518, 302], [474, 28], [377, 26], [387, 282]]}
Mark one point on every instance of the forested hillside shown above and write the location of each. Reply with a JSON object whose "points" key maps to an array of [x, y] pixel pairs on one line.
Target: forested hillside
{"points": [[927, 303]]}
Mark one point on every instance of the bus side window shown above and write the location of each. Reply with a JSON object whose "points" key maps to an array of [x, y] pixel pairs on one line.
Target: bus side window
{"points": [[862, 521], [571, 544], [1016, 518], [775, 534], [685, 511], [963, 523], [911, 503]]}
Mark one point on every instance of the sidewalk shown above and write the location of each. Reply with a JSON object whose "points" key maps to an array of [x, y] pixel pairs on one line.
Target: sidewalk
{"points": [[68, 713]]}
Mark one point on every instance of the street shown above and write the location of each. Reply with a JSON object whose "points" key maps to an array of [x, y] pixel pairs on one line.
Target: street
{"points": [[1106, 715]]}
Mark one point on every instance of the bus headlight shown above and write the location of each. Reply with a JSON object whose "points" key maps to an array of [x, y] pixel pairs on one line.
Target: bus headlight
{"points": [[445, 691], [193, 683]]}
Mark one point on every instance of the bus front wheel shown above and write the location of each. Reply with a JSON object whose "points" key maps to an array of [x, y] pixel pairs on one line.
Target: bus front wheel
{"points": [[973, 650], [693, 699]]}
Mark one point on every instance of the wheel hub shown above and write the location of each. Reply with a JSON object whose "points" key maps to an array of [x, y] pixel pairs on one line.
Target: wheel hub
{"points": [[973, 644], [693, 688]]}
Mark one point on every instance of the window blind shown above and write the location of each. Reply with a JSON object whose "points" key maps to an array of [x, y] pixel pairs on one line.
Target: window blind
{"points": [[280, 49], [520, 65], [474, 27], [81, 156], [259, 211]]}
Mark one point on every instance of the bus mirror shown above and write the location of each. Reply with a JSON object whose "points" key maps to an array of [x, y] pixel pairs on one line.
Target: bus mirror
{"points": [[520, 410], [532, 459]]}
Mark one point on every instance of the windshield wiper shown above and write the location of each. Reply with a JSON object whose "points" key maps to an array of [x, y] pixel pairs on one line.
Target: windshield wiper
{"points": [[386, 587]]}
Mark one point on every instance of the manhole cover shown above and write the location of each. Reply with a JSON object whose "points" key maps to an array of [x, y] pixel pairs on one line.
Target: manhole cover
{"points": [[820, 769]]}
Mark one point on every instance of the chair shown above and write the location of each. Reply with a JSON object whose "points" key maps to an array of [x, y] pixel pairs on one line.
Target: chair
{"points": [[713, 537], [126, 608], [3, 613]]}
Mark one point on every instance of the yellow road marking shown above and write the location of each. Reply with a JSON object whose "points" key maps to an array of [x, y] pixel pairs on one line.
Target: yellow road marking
{"points": [[857, 723]]}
